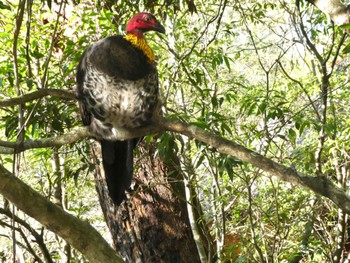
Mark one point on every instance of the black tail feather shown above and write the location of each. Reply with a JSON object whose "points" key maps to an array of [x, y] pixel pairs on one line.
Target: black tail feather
{"points": [[117, 159]]}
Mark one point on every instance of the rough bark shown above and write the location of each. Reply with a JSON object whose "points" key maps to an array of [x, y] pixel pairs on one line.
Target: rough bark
{"points": [[152, 224]]}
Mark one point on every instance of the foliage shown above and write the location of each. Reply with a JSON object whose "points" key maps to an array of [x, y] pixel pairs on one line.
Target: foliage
{"points": [[270, 76], [247, 76]]}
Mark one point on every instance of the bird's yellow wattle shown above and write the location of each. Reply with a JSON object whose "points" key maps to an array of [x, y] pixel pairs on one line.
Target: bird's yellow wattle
{"points": [[141, 44]]}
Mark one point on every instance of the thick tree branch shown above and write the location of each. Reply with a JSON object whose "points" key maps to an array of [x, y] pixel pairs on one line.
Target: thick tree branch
{"points": [[71, 137], [319, 184], [63, 94], [83, 237], [79, 234], [75, 135]]}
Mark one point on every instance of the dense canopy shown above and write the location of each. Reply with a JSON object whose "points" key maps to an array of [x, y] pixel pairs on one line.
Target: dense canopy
{"points": [[255, 131]]}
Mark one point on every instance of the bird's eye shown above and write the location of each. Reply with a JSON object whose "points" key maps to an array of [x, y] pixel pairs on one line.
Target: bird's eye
{"points": [[147, 19]]}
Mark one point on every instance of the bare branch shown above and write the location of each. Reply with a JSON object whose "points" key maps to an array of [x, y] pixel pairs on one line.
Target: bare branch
{"points": [[311, 102], [337, 52], [38, 237], [71, 137], [11, 147], [48, 58], [309, 43], [63, 94], [318, 184]]}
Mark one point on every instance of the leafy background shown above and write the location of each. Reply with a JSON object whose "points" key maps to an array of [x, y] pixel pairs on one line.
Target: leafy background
{"points": [[269, 75]]}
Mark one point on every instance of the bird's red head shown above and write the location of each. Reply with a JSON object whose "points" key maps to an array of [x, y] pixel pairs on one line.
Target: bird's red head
{"points": [[143, 22]]}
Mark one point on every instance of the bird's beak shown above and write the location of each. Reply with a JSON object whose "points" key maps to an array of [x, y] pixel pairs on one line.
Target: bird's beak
{"points": [[159, 28]]}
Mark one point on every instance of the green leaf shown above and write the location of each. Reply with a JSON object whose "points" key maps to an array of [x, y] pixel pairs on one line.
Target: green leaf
{"points": [[227, 63], [200, 124], [56, 125], [3, 6], [262, 107], [346, 26], [8, 159], [225, 127], [292, 135], [346, 49], [29, 84], [329, 129], [200, 161]]}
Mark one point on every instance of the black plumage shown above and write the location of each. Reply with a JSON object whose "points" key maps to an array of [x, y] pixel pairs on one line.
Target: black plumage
{"points": [[117, 88]]}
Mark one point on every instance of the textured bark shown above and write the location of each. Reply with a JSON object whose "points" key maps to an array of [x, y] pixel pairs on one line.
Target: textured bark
{"points": [[152, 224]]}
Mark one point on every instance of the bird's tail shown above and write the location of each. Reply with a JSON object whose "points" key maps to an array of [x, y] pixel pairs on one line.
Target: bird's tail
{"points": [[117, 159]]}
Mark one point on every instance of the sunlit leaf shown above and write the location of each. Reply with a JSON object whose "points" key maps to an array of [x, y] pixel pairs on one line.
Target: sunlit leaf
{"points": [[346, 49]]}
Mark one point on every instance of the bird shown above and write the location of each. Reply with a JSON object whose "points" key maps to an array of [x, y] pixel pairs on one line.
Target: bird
{"points": [[117, 88]]}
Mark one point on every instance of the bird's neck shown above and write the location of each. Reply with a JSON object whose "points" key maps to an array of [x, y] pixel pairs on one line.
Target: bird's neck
{"points": [[141, 43]]}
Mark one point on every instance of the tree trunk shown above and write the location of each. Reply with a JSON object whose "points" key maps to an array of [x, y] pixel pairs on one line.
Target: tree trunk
{"points": [[152, 224], [335, 9]]}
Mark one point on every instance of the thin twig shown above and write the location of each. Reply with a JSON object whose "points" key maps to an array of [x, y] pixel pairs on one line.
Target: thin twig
{"points": [[311, 102], [53, 37], [20, 135], [307, 39]]}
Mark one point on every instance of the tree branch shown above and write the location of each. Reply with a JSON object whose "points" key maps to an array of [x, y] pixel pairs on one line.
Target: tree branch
{"points": [[74, 136], [81, 235], [71, 137], [309, 43], [38, 238], [63, 94], [78, 233], [319, 184]]}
